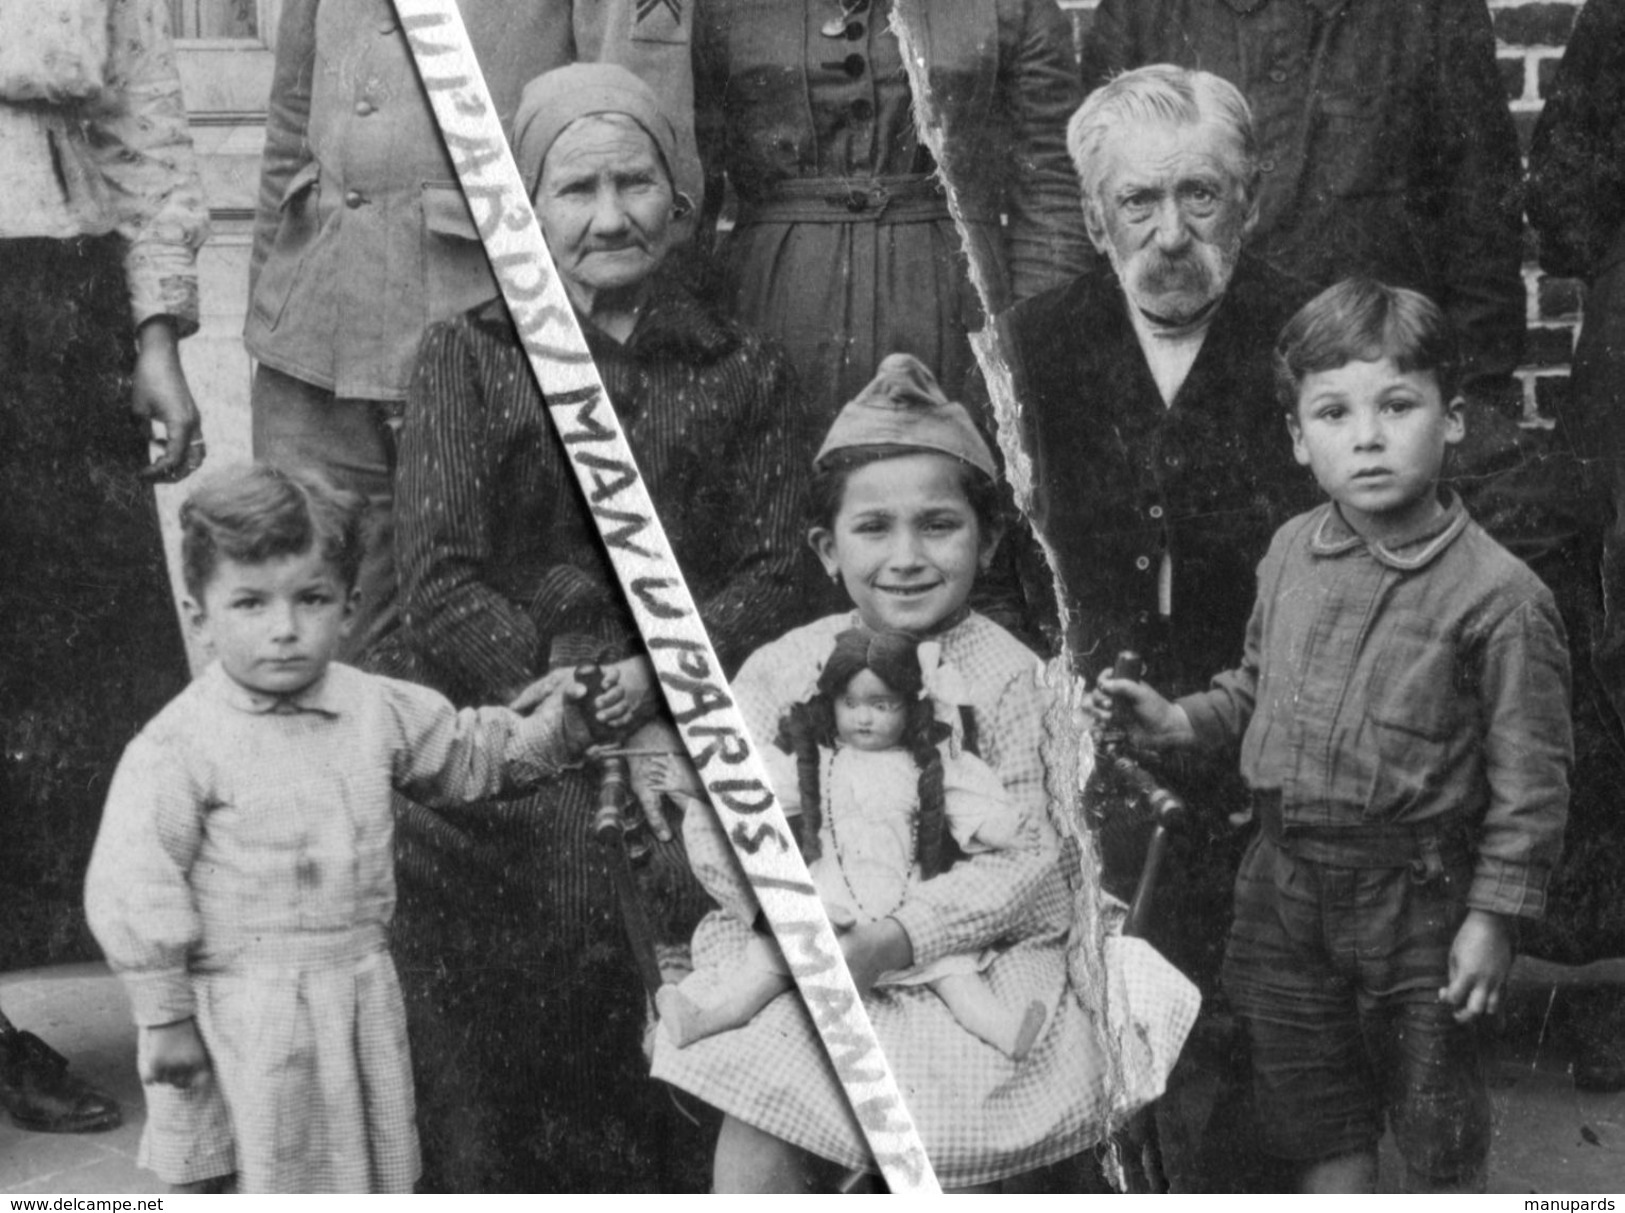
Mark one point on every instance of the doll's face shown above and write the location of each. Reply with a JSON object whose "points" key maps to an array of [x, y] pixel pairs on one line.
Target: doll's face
{"points": [[869, 715]]}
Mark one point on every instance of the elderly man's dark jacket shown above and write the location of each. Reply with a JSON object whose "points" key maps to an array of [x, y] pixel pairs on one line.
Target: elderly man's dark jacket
{"points": [[1385, 141], [1120, 477]]}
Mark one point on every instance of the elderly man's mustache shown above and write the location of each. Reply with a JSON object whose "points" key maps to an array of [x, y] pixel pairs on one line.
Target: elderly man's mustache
{"points": [[1185, 271]]}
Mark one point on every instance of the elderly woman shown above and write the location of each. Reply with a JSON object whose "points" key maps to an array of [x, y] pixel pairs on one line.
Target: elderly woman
{"points": [[525, 1006]]}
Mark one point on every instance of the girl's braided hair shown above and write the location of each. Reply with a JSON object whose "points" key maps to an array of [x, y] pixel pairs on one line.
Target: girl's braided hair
{"points": [[893, 658]]}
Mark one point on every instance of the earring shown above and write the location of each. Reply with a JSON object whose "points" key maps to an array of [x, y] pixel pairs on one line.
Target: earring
{"points": [[835, 576]]}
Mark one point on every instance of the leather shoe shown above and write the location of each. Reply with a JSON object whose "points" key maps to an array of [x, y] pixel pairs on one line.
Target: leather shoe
{"points": [[41, 1094]]}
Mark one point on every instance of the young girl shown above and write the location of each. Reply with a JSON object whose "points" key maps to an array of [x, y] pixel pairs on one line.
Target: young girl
{"points": [[876, 806], [907, 515], [242, 883]]}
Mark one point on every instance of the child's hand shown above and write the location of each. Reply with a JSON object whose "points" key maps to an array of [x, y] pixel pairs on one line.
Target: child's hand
{"points": [[550, 683], [1149, 718], [561, 724], [1480, 959], [876, 948], [172, 1054]]}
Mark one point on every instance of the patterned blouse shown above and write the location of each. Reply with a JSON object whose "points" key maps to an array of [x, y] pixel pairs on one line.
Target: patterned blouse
{"points": [[122, 162]]}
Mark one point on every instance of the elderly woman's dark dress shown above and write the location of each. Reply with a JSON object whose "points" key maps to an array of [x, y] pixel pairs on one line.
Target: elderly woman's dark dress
{"points": [[525, 1005]]}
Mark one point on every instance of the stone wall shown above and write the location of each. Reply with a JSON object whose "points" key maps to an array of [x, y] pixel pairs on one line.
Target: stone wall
{"points": [[1529, 43]]}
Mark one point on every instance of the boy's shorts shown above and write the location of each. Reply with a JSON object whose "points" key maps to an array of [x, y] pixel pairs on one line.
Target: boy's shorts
{"points": [[1336, 973]]}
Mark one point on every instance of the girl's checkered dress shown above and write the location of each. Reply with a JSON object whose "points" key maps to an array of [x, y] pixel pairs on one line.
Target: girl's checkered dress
{"points": [[982, 1116]]}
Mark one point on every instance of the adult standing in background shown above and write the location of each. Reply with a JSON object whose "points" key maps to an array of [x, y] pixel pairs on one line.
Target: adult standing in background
{"points": [[1385, 146], [101, 217], [362, 237], [843, 248], [1577, 204]]}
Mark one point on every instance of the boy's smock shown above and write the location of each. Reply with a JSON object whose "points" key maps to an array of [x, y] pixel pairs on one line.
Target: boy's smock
{"points": [[1400, 689], [244, 876], [237, 820]]}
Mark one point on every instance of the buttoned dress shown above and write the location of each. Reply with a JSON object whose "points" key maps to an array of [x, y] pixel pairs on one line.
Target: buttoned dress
{"points": [[244, 875], [843, 247]]}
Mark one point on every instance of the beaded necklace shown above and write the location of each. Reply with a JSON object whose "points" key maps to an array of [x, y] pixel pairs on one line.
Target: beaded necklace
{"points": [[840, 856]]}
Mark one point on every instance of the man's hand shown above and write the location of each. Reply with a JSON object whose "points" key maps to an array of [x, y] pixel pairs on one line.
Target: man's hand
{"points": [[1150, 719], [172, 1054], [161, 396], [1480, 959], [876, 948]]}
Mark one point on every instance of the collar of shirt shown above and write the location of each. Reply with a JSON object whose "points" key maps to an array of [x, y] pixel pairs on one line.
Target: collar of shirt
{"points": [[320, 698], [1335, 537]]}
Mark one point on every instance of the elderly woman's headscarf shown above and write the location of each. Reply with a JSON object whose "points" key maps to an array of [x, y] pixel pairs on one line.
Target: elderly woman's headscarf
{"points": [[557, 98]]}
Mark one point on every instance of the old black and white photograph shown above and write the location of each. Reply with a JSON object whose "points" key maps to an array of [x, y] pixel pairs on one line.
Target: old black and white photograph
{"points": [[812, 596]]}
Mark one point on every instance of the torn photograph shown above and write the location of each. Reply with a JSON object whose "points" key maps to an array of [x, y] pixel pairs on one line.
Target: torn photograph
{"points": [[812, 596]]}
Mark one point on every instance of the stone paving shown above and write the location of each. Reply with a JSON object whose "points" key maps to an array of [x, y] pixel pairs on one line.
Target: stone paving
{"points": [[1549, 1137]]}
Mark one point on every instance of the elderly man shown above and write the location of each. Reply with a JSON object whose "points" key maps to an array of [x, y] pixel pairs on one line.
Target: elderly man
{"points": [[1386, 147], [1161, 460]]}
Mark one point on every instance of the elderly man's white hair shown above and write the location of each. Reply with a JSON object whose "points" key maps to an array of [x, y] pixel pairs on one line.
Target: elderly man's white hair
{"points": [[1161, 92]]}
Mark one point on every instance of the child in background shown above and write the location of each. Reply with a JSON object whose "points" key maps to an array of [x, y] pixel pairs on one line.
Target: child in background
{"points": [[1403, 714], [242, 883], [876, 806]]}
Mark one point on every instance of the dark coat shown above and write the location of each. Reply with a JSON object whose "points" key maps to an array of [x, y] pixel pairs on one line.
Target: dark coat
{"points": [[1120, 478]]}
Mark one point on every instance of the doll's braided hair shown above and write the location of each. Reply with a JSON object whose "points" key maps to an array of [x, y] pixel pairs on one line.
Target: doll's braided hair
{"points": [[893, 658]]}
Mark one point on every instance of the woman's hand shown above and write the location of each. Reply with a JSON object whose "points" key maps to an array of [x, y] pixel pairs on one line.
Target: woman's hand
{"points": [[1480, 959], [629, 696], [664, 771], [876, 948], [160, 395], [172, 1054], [1149, 718]]}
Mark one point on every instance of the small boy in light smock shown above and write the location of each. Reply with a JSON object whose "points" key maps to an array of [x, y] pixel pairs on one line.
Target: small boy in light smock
{"points": [[243, 882]]}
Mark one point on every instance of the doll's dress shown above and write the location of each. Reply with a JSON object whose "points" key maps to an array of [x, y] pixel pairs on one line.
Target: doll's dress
{"points": [[870, 826]]}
